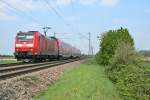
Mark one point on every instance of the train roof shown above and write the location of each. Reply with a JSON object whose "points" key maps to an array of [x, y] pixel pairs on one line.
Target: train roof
{"points": [[29, 32]]}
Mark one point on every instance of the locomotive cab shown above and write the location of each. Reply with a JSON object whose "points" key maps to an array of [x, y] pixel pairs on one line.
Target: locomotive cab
{"points": [[24, 45]]}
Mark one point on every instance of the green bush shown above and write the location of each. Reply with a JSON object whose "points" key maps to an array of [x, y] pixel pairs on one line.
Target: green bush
{"points": [[109, 41], [125, 54], [131, 82], [127, 72], [124, 67]]}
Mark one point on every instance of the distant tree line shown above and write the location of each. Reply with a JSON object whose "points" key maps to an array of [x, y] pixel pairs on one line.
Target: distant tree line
{"points": [[146, 53], [6, 55]]}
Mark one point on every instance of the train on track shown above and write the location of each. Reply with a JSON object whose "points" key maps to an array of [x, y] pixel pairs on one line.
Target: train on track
{"points": [[34, 46]]}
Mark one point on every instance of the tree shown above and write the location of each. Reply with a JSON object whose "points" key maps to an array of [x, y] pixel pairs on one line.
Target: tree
{"points": [[109, 41]]}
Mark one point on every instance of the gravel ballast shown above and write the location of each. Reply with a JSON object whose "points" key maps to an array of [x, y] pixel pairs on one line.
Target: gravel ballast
{"points": [[27, 86]]}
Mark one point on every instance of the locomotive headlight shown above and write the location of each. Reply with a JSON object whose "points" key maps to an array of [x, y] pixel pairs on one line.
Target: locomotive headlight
{"points": [[29, 45], [35, 53], [19, 45]]}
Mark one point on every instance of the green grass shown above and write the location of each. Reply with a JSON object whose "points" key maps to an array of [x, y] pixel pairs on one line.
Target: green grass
{"points": [[85, 82], [10, 57], [7, 61], [147, 64]]}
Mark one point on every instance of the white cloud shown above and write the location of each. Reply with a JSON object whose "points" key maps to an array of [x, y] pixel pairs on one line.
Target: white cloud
{"points": [[25, 6], [17, 6], [20, 4], [4, 16], [63, 2], [88, 2], [31, 5], [109, 3]]}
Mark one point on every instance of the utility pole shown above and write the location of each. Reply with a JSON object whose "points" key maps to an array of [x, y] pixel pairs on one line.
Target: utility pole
{"points": [[89, 43], [55, 34], [46, 29], [92, 51]]}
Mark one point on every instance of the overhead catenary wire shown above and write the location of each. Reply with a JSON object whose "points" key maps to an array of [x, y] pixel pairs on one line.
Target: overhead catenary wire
{"points": [[30, 13], [56, 12], [74, 12], [58, 7], [61, 17], [51, 8], [22, 12]]}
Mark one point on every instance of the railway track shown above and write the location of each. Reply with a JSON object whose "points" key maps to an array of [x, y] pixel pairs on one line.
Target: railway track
{"points": [[11, 64], [14, 70], [20, 63]]}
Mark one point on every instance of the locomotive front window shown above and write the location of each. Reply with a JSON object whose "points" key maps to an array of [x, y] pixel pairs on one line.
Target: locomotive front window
{"points": [[25, 37]]}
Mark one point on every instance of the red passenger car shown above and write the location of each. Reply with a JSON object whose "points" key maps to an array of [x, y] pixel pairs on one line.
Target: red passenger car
{"points": [[33, 45]]}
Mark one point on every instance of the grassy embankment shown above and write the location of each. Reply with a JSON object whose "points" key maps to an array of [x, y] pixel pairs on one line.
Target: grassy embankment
{"points": [[85, 82], [4, 60]]}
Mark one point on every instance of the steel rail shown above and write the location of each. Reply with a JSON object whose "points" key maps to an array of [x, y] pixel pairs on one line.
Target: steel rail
{"points": [[11, 68], [21, 63], [13, 72], [12, 64]]}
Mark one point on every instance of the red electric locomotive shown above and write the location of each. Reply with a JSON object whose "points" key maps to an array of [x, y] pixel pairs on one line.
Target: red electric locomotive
{"points": [[33, 45]]}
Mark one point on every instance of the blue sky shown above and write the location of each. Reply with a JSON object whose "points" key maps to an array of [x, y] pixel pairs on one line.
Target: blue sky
{"points": [[73, 19]]}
